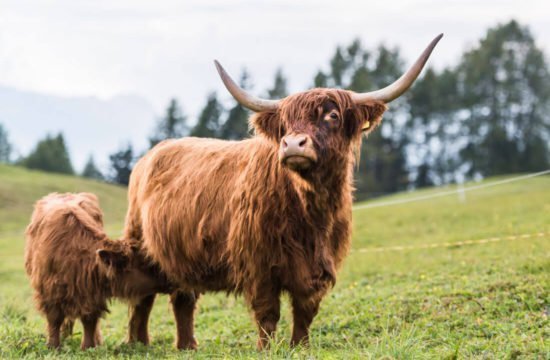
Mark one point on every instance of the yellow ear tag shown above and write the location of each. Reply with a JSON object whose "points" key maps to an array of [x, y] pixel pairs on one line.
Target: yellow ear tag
{"points": [[366, 126]]}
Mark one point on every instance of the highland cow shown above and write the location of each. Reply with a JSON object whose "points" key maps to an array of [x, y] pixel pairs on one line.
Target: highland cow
{"points": [[75, 269], [261, 216]]}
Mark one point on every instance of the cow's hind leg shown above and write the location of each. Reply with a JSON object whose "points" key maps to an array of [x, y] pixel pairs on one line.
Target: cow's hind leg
{"points": [[304, 310], [183, 305], [55, 319], [139, 320], [91, 331], [266, 306]]}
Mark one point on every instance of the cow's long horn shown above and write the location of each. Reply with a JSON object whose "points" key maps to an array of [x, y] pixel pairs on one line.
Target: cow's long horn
{"points": [[393, 91], [245, 99]]}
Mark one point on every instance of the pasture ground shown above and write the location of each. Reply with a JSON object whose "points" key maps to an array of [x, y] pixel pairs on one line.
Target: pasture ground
{"points": [[478, 301]]}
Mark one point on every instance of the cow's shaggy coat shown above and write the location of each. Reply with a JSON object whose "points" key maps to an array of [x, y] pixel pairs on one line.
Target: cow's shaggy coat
{"points": [[74, 268], [231, 216]]}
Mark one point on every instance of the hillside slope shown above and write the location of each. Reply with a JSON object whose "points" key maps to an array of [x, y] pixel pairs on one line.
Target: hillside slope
{"points": [[405, 290]]}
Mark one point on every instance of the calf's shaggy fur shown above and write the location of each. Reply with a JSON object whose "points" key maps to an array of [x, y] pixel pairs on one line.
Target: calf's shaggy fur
{"points": [[74, 268]]}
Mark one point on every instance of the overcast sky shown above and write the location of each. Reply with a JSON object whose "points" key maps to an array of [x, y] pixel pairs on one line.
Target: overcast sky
{"points": [[162, 49]]}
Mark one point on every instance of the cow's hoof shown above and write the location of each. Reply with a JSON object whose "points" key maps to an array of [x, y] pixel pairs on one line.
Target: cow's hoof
{"points": [[188, 345]]}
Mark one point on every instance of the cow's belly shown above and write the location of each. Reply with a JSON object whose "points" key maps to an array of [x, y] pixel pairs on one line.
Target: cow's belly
{"points": [[189, 249]]}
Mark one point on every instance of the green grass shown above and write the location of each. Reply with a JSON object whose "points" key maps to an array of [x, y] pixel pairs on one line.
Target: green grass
{"points": [[478, 301]]}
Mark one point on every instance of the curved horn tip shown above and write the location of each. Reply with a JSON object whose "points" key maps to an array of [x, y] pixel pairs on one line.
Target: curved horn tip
{"points": [[244, 98], [219, 66], [437, 38], [398, 87]]}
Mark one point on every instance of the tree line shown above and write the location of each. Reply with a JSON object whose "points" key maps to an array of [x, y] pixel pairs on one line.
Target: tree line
{"points": [[486, 115]]}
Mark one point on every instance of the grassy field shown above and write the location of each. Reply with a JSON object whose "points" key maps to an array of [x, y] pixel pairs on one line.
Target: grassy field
{"points": [[482, 301]]}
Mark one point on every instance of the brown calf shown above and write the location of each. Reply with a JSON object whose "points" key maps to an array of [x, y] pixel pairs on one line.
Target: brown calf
{"points": [[74, 268]]}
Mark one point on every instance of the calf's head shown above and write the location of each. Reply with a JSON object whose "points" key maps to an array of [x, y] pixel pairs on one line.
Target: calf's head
{"points": [[128, 272], [316, 126]]}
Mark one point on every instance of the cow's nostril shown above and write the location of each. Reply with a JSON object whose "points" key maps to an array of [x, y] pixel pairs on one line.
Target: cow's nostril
{"points": [[285, 145], [302, 142]]}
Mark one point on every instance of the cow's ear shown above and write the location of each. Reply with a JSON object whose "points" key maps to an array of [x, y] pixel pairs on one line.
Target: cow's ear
{"points": [[364, 118], [268, 124], [113, 259], [374, 113]]}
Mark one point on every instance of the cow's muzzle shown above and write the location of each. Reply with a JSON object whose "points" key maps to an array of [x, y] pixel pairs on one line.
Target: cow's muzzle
{"points": [[296, 151]]}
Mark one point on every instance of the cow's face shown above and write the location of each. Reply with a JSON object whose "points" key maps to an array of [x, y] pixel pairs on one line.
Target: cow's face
{"points": [[317, 127]]}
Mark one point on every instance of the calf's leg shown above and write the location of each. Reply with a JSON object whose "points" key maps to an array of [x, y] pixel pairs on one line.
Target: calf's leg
{"points": [[91, 331], [183, 305], [139, 320]]}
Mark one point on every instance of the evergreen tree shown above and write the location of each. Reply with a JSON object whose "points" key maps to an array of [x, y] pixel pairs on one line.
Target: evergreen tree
{"points": [[5, 146], [278, 91], [423, 177], [50, 155], [122, 163], [338, 67], [320, 80], [91, 171], [505, 94], [208, 124], [172, 125], [432, 126], [235, 126]]}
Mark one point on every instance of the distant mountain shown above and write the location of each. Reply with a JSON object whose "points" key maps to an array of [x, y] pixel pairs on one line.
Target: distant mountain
{"points": [[90, 125]]}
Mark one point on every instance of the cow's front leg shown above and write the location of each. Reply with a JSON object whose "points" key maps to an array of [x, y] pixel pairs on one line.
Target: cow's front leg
{"points": [[139, 320], [183, 305], [304, 310], [266, 306]]}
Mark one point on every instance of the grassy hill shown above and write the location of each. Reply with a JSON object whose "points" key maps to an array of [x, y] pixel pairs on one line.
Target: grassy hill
{"points": [[487, 300]]}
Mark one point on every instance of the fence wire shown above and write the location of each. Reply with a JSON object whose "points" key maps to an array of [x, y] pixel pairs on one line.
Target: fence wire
{"points": [[446, 193], [450, 244], [449, 192]]}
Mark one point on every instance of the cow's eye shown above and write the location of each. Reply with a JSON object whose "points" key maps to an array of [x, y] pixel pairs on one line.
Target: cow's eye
{"points": [[332, 119]]}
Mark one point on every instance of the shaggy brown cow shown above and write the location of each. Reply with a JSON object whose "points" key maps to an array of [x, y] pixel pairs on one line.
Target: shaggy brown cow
{"points": [[261, 216], [74, 268]]}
